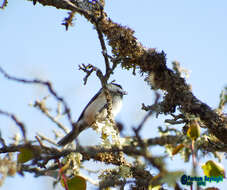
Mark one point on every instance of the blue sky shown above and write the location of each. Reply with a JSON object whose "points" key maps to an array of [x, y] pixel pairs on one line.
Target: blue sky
{"points": [[35, 44]]}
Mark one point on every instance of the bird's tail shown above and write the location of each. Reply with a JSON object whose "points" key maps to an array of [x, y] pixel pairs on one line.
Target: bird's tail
{"points": [[68, 138]]}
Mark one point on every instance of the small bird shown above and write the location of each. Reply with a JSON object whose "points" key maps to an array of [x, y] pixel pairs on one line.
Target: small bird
{"points": [[96, 109]]}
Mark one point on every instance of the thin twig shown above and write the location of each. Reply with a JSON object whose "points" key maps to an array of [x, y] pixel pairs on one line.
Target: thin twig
{"points": [[174, 122], [4, 4], [104, 52], [47, 139], [137, 130], [18, 123], [43, 108], [38, 172], [44, 83], [88, 69]]}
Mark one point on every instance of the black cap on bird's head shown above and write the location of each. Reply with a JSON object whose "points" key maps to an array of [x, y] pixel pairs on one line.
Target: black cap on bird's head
{"points": [[116, 88], [116, 85]]}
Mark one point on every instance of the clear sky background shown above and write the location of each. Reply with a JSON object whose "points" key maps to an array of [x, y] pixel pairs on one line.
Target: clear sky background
{"points": [[34, 44]]}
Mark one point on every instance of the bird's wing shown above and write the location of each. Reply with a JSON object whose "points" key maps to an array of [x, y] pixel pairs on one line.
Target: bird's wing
{"points": [[94, 97]]}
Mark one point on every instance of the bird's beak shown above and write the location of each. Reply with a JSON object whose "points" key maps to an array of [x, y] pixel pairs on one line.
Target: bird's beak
{"points": [[124, 92]]}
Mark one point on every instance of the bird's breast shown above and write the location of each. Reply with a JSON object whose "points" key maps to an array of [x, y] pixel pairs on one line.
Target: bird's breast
{"points": [[97, 109], [117, 104]]}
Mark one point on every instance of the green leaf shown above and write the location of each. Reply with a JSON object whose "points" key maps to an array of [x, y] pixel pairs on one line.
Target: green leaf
{"points": [[193, 130], [213, 169], [25, 155], [76, 183]]}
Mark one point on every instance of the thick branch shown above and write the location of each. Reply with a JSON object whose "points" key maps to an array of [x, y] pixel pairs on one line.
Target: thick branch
{"points": [[153, 63]]}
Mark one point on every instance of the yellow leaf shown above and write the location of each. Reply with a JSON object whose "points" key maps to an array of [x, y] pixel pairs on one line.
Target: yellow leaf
{"points": [[76, 183], [25, 155], [193, 130], [177, 149], [158, 187], [213, 169]]}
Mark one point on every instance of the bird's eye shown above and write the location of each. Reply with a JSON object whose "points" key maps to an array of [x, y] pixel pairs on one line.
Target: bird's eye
{"points": [[119, 91]]}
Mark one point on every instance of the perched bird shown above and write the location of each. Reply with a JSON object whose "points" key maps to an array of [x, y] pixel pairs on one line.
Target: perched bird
{"points": [[96, 109]]}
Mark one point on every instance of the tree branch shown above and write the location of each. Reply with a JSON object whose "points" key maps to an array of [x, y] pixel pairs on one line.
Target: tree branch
{"points": [[41, 106], [48, 85], [18, 123], [104, 52]]}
